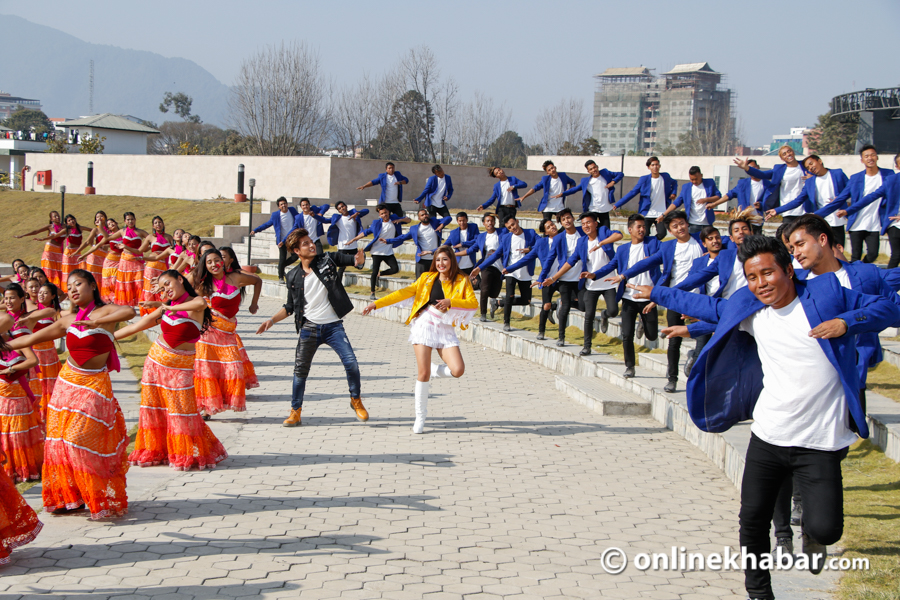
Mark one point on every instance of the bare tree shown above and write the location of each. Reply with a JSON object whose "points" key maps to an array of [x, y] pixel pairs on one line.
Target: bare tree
{"points": [[280, 100], [356, 117], [421, 73], [564, 124], [446, 109], [480, 122]]}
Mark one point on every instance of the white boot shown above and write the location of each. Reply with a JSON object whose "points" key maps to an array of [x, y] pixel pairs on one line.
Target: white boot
{"points": [[438, 371], [421, 405]]}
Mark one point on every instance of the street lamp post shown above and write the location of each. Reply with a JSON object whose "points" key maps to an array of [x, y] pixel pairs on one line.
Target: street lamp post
{"points": [[90, 179], [240, 196], [62, 202], [250, 226]]}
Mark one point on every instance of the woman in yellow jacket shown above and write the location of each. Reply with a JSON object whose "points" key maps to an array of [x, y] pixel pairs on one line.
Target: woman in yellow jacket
{"points": [[436, 310]]}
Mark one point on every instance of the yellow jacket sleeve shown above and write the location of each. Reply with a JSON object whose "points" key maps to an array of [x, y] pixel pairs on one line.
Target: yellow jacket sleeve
{"points": [[400, 295], [465, 296]]}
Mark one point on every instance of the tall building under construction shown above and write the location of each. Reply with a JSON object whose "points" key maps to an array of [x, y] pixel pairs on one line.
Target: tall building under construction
{"points": [[634, 110]]}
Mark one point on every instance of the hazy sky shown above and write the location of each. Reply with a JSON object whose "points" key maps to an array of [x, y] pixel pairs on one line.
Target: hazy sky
{"points": [[785, 60]]}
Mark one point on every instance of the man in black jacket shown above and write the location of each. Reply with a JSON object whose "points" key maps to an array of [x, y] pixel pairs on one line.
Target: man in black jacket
{"points": [[318, 301]]}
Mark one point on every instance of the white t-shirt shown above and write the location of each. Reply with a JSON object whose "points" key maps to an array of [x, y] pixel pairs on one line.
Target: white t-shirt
{"points": [[841, 274], [736, 281], [697, 215], [554, 266], [428, 239], [574, 273], [491, 242], [437, 199], [318, 309], [311, 225], [596, 260], [506, 197], [685, 253], [346, 232], [599, 195], [712, 286], [636, 255], [287, 222], [867, 218], [390, 189], [657, 198], [791, 186], [824, 195], [555, 204], [756, 191], [802, 402], [388, 231], [517, 243], [464, 261]]}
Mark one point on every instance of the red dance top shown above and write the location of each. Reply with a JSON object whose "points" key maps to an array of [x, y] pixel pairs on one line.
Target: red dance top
{"points": [[179, 328], [17, 330], [55, 228], [9, 359], [131, 239], [226, 300], [102, 236], [116, 246], [159, 244], [84, 344], [73, 239]]}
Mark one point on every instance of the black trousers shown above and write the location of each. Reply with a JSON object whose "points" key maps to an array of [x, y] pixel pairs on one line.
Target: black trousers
{"points": [[589, 300], [660, 228], [377, 261], [788, 220], [841, 238], [284, 259], [758, 230], [871, 239], [701, 342], [547, 292], [548, 215], [674, 351], [569, 296], [349, 252], [435, 211], [491, 284], [396, 209], [781, 517], [503, 213], [695, 229], [894, 239], [523, 299], [423, 266], [818, 477], [631, 311], [604, 219]]}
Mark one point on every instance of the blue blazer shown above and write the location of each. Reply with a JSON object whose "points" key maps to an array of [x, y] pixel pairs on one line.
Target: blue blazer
{"points": [[543, 251], [469, 244], [382, 181], [619, 263], [890, 192], [334, 231], [723, 266], [726, 380], [700, 263], [809, 195], [772, 179], [643, 187], [375, 230], [743, 190], [275, 221], [584, 186], [300, 222], [664, 255], [684, 198], [854, 191], [514, 184], [413, 234], [481, 240], [505, 249], [567, 182], [431, 187]]}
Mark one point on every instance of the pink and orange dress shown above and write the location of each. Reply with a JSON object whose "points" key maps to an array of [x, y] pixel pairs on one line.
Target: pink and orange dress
{"points": [[43, 376], [223, 372], [70, 260], [51, 259], [21, 434], [153, 269], [19, 523], [130, 276], [85, 457], [110, 269], [170, 429], [93, 262]]}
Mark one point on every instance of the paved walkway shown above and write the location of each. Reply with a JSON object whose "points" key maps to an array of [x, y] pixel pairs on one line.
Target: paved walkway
{"points": [[514, 491]]}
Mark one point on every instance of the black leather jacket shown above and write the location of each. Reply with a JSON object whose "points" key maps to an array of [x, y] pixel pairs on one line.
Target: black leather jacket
{"points": [[325, 266]]}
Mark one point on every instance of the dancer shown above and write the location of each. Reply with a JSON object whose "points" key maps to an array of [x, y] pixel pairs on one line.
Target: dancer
{"points": [[441, 299], [156, 242], [657, 190], [344, 226], [547, 254], [43, 376], [21, 437], [749, 193], [712, 240], [51, 259], [93, 262], [462, 240], [222, 370], [111, 264], [318, 301], [71, 260], [890, 191], [31, 292], [569, 284], [726, 269], [130, 273], [284, 222], [554, 184], [491, 281], [382, 228], [426, 236], [19, 524], [783, 182], [391, 182], [696, 197], [308, 221], [170, 430], [20, 273], [505, 194], [598, 191], [84, 453], [438, 191], [752, 369]]}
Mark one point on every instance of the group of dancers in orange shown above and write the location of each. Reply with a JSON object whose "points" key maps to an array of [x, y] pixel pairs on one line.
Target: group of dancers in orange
{"points": [[61, 423]]}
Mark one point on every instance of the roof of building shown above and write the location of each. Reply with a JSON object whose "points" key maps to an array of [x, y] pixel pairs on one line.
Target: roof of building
{"points": [[13, 99], [625, 72], [691, 68], [2, 128], [109, 121]]}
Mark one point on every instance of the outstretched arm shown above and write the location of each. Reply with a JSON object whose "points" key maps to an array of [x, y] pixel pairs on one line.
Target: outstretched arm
{"points": [[146, 322], [244, 280]]}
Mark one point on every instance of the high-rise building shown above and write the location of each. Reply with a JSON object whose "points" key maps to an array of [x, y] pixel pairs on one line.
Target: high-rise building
{"points": [[634, 110], [10, 104]]}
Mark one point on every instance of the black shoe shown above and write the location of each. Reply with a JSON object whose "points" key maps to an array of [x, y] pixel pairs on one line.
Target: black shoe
{"points": [[692, 358], [629, 372], [584, 352], [639, 331], [372, 296], [560, 343], [670, 387], [551, 316], [494, 306], [506, 327], [540, 335], [604, 322], [785, 543], [796, 512], [484, 319], [815, 552]]}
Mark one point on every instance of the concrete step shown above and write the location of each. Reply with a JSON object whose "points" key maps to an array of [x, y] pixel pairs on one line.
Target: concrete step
{"points": [[600, 398]]}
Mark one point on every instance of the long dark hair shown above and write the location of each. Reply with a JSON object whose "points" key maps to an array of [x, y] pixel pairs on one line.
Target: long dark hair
{"points": [[235, 265], [202, 275], [85, 276], [51, 215], [207, 312], [454, 264], [54, 291], [66, 223]]}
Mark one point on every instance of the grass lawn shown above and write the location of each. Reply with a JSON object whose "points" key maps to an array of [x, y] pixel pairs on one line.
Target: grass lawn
{"points": [[885, 380], [133, 350], [22, 212]]}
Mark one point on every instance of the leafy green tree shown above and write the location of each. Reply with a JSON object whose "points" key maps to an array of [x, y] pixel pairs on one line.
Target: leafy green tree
{"points": [[57, 145], [831, 136], [406, 135], [508, 150], [180, 104], [590, 147], [92, 145], [26, 119]]}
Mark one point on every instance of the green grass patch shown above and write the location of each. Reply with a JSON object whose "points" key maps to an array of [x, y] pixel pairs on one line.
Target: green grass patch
{"points": [[885, 380], [134, 351]]}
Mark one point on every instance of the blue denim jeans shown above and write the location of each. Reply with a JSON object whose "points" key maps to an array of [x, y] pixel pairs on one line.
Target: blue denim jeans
{"points": [[311, 337]]}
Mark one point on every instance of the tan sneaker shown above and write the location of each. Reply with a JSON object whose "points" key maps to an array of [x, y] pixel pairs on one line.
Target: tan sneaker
{"points": [[357, 405], [294, 419]]}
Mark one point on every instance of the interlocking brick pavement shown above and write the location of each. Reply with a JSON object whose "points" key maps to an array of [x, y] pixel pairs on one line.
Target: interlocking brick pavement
{"points": [[514, 491]]}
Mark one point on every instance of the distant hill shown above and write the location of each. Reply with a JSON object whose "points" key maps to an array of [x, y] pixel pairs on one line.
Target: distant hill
{"points": [[54, 67]]}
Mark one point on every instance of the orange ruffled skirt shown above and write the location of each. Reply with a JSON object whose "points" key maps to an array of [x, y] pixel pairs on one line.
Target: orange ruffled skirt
{"points": [[129, 279], [93, 262], [70, 262], [152, 270], [84, 455], [43, 377], [170, 430], [21, 435], [51, 263], [108, 278], [222, 372], [19, 523]]}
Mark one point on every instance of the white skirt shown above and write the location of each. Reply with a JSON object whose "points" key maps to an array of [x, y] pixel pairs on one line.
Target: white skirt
{"points": [[430, 329]]}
